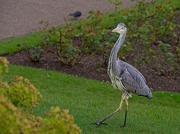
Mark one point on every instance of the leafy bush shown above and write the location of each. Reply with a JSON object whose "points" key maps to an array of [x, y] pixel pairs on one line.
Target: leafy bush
{"points": [[33, 52], [73, 40], [116, 3], [59, 121], [151, 28], [151, 37], [17, 98], [14, 120], [20, 91]]}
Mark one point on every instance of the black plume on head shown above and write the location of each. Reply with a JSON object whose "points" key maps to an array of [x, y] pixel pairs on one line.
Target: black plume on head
{"points": [[121, 24]]}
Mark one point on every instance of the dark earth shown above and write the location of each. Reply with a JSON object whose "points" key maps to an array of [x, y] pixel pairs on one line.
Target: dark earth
{"points": [[88, 67]]}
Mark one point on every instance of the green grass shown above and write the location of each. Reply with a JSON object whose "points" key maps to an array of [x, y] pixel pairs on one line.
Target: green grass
{"points": [[91, 100], [14, 44]]}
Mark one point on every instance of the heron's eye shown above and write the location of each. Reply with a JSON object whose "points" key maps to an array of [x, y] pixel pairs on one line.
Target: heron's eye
{"points": [[122, 27]]}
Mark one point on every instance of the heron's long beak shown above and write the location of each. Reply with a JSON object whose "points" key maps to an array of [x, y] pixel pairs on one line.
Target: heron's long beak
{"points": [[115, 30]]}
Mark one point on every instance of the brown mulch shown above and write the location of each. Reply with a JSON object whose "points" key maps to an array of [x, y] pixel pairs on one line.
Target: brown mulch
{"points": [[89, 68]]}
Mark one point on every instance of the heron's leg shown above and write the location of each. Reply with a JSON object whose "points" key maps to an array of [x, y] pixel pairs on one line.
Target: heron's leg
{"points": [[126, 100], [116, 111]]}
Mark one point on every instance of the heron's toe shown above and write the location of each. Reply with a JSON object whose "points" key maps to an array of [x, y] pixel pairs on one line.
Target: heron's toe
{"points": [[122, 126], [99, 123]]}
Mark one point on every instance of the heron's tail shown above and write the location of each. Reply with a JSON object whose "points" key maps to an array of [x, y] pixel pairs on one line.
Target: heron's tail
{"points": [[148, 92], [145, 91]]}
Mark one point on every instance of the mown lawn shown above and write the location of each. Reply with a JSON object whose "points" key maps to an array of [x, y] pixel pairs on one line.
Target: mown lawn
{"points": [[91, 100]]}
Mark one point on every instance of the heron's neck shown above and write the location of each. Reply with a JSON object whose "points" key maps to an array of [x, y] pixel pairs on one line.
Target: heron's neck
{"points": [[113, 56]]}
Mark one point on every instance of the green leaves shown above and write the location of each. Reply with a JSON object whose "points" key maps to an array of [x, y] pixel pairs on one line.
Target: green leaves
{"points": [[151, 36], [152, 28], [18, 97], [163, 46], [116, 3], [34, 52]]}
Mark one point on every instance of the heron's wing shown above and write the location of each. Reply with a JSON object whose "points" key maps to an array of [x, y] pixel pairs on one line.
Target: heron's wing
{"points": [[132, 70], [135, 71], [131, 84], [131, 78]]}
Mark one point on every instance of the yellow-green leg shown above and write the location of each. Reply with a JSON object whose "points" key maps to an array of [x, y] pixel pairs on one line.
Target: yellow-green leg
{"points": [[126, 100], [116, 111]]}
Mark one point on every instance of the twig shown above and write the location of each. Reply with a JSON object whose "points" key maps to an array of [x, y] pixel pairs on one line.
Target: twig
{"points": [[66, 22]]}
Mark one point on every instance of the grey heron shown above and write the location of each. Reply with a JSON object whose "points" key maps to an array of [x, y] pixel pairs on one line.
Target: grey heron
{"points": [[124, 76]]}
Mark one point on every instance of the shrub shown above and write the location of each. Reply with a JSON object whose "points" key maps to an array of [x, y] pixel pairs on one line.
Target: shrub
{"points": [[20, 91], [151, 36], [33, 52], [59, 121], [14, 120], [17, 98]]}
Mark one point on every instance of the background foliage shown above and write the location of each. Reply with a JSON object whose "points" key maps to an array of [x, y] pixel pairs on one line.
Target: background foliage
{"points": [[151, 37]]}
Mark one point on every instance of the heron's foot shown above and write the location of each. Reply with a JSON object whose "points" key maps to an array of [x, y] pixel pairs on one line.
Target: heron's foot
{"points": [[99, 123], [123, 126]]}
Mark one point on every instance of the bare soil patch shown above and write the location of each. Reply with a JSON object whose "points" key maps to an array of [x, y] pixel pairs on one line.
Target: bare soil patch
{"points": [[89, 68]]}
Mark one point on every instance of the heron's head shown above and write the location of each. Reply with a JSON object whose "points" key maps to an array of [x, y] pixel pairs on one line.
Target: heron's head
{"points": [[121, 28]]}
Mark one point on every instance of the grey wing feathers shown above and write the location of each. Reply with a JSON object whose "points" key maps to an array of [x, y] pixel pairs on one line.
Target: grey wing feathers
{"points": [[133, 70], [130, 82], [133, 80]]}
